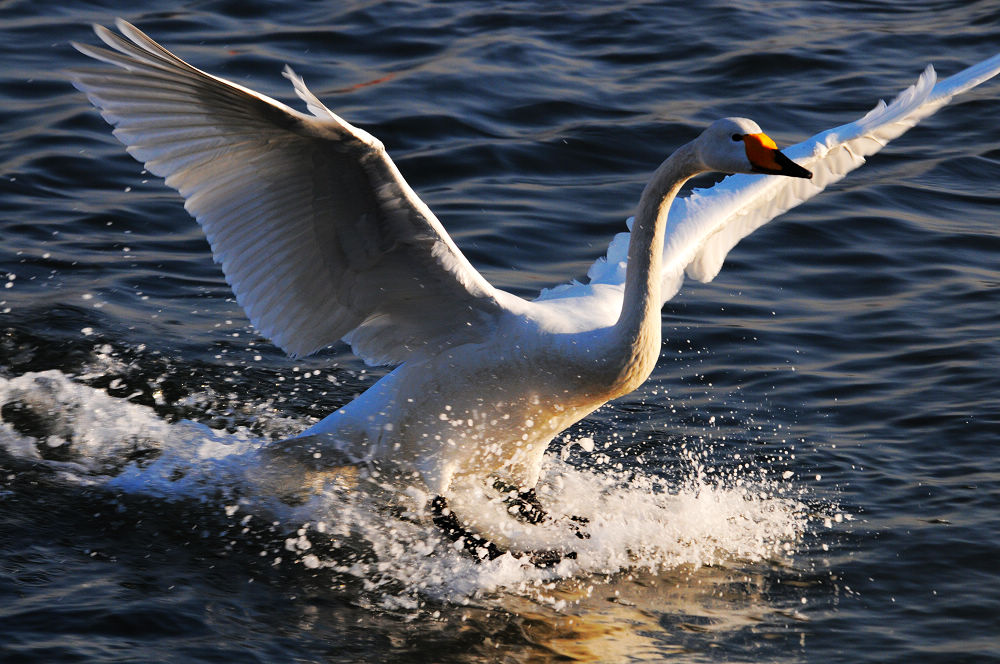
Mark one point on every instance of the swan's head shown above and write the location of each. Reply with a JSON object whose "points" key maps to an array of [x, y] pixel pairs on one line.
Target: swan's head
{"points": [[737, 145]]}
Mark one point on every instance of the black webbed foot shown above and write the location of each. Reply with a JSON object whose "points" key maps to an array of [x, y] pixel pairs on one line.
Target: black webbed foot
{"points": [[578, 523], [525, 506], [482, 549], [549, 558], [445, 519], [522, 503]]}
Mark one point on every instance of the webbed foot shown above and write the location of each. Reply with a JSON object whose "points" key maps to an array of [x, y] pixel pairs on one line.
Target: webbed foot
{"points": [[453, 529], [522, 503], [483, 549], [525, 506]]}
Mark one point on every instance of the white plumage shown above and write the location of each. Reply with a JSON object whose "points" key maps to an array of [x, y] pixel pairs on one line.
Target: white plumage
{"points": [[322, 240]]}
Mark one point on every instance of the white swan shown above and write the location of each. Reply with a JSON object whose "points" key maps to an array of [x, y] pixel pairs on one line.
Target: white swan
{"points": [[321, 239]]}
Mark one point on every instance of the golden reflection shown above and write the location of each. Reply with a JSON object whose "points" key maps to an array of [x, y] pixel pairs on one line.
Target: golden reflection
{"points": [[634, 617]]}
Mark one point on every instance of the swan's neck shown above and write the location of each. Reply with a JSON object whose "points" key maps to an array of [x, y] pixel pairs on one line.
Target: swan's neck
{"points": [[638, 327]]}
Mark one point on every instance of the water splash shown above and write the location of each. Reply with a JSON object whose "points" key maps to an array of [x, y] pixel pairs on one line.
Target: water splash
{"points": [[373, 533]]}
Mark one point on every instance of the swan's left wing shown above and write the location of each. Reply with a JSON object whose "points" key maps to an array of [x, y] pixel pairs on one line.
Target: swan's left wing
{"points": [[703, 227], [318, 234]]}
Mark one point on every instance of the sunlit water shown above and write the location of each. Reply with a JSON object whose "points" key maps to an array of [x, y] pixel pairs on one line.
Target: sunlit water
{"points": [[810, 474]]}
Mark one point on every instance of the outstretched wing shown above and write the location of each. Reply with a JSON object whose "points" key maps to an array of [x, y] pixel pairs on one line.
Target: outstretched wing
{"points": [[703, 227], [318, 234]]}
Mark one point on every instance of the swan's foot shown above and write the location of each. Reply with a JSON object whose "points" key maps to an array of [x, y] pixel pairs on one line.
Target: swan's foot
{"points": [[578, 522], [522, 504], [525, 506], [483, 549], [480, 547]]}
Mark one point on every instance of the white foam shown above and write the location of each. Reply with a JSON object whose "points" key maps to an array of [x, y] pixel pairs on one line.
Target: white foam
{"points": [[635, 521]]}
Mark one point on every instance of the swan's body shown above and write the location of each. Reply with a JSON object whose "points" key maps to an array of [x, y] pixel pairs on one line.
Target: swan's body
{"points": [[490, 407], [322, 240]]}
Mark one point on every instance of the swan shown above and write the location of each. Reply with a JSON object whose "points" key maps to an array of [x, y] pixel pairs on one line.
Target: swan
{"points": [[322, 240]]}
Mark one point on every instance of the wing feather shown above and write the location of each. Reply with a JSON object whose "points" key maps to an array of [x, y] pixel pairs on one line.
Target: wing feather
{"points": [[318, 234], [703, 227]]}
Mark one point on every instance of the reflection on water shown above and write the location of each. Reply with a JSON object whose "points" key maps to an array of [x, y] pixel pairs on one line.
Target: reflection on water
{"points": [[642, 617]]}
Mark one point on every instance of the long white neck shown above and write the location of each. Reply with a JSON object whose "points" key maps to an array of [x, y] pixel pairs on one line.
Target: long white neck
{"points": [[638, 326]]}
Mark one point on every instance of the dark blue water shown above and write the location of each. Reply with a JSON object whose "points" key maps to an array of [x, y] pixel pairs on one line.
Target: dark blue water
{"points": [[811, 473]]}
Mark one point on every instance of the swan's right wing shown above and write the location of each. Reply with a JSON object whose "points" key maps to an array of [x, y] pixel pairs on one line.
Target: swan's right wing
{"points": [[318, 234], [703, 227]]}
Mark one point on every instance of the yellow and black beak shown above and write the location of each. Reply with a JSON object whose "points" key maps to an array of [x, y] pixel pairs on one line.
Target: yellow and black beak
{"points": [[765, 158]]}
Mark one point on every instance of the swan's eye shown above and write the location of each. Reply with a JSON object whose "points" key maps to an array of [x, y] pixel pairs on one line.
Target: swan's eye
{"points": [[737, 137]]}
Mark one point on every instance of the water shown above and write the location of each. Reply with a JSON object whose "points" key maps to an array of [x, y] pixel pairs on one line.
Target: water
{"points": [[810, 475]]}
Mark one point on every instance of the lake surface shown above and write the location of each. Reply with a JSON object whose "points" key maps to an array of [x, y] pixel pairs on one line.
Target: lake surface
{"points": [[811, 474]]}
